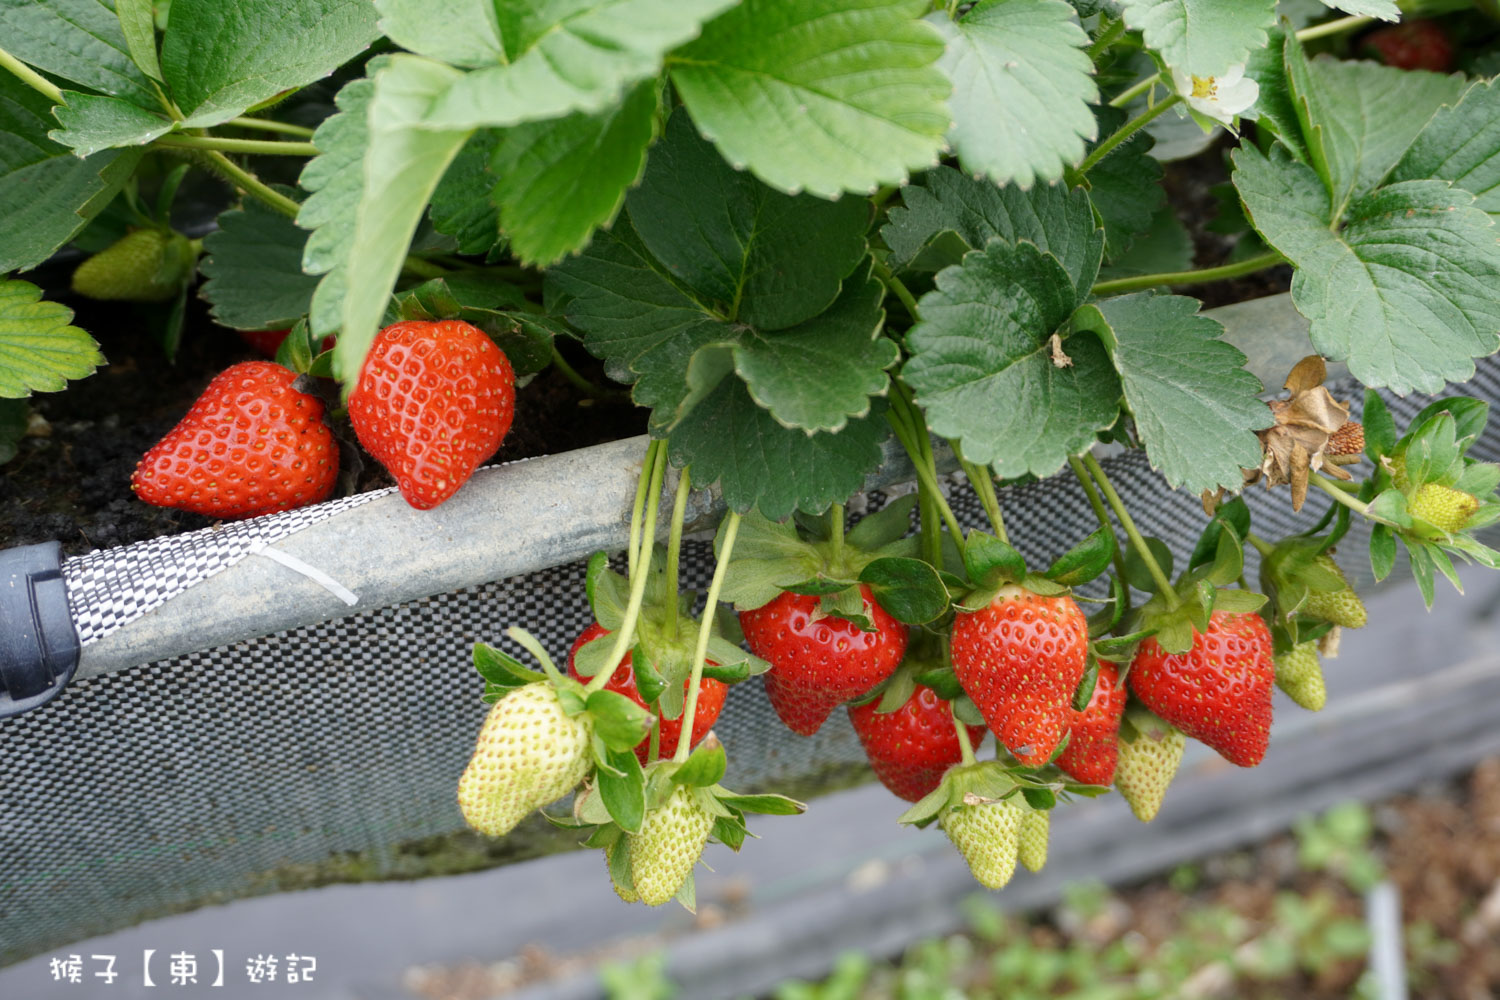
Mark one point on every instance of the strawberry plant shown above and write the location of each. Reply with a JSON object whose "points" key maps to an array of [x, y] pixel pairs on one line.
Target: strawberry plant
{"points": [[797, 232]]}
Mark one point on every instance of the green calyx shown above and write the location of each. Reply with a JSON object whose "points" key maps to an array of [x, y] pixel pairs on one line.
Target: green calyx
{"points": [[1305, 580]]}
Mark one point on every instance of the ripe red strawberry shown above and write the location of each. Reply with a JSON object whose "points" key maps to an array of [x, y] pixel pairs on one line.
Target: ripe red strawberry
{"points": [[251, 444], [818, 662], [711, 695], [1093, 748], [911, 748], [1218, 692], [1021, 659], [1419, 44], [434, 399]]}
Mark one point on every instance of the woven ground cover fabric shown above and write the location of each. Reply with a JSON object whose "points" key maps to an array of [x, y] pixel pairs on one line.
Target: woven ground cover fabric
{"points": [[331, 752]]}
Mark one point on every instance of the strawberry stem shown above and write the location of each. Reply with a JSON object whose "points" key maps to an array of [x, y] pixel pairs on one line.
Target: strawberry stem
{"points": [[1332, 489], [637, 510], [984, 488], [705, 632], [1248, 266], [1125, 131], [249, 183], [911, 431], [653, 750], [637, 579], [1092, 492], [1261, 545], [1124, 97], [899, 289], [837, 535], [1333, 27], [1163, 585], [30, 77], [260, 147], [964, 746], [674, 546], [266, 125]]}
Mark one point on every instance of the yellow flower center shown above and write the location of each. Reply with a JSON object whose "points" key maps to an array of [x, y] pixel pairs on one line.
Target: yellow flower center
{"points": [[1205, 87]]}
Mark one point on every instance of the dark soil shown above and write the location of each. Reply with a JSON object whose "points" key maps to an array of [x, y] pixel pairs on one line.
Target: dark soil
{"points": [[73, 484]]}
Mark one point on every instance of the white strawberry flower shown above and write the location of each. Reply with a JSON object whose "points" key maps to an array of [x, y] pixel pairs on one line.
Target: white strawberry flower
{"points": [[1223, 97]]}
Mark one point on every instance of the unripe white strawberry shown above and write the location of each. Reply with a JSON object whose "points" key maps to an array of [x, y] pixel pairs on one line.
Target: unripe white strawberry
{"points": [[1036, 828], [1341, 607], [1147, 766], [670, 843], [529, 753], [1299, 674], [988, 835]]}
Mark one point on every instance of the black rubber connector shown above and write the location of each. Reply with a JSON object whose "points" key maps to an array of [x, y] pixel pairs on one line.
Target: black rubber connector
{"points": [[38, 643]]}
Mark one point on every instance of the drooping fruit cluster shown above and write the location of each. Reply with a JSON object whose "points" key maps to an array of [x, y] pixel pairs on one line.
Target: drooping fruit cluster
{"points": [[252, 444]]}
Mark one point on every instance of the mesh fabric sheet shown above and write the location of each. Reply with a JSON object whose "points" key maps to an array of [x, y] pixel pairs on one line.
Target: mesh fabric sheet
{"points": [[240, 770]]}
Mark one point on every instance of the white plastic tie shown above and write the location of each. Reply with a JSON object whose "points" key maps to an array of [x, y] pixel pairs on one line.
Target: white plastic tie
{"points": [[314, 574]]}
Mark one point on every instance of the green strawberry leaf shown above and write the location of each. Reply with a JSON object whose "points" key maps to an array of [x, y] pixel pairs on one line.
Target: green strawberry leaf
{"points": [[1415, 255], [1461, 143], [767, 804], [1195, 405], [138, 26], [219, 61], [1235, 516], [731, 664], [820, 585], [1106, 618], [555, 58], [885, 527], [1022, 86], [943, 681], [854, 104], [336, 180], [500, 669], [991, 562], [618, 721], [704, 766], [759, 463], [608, 592], [730, 831], [987, 371], [461, 205], [1380, 428], [1136, 573], [1239, 602], [965, 214], [768, 557], [295, 351], [1358, 118], [1469, 415], [91, 123], [1125, 187], [460, 32], [1384, 9], [47, 196], [1420, 557], [80, 41], [39, 348], [622, 789], [1084, 561], [1201, 37], [1039, 798], [253, 263], [401, 166], [910, 590], [556, 181], [1275, 109]]}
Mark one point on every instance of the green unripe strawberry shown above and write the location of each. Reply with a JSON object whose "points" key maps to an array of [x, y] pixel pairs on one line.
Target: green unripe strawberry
{"points": [[988, 835], [1032, 848], [1147, 766], [131, 269], [529, 753], [1443, 507], [1341, 607], [670, 843], [1299, 674]]}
